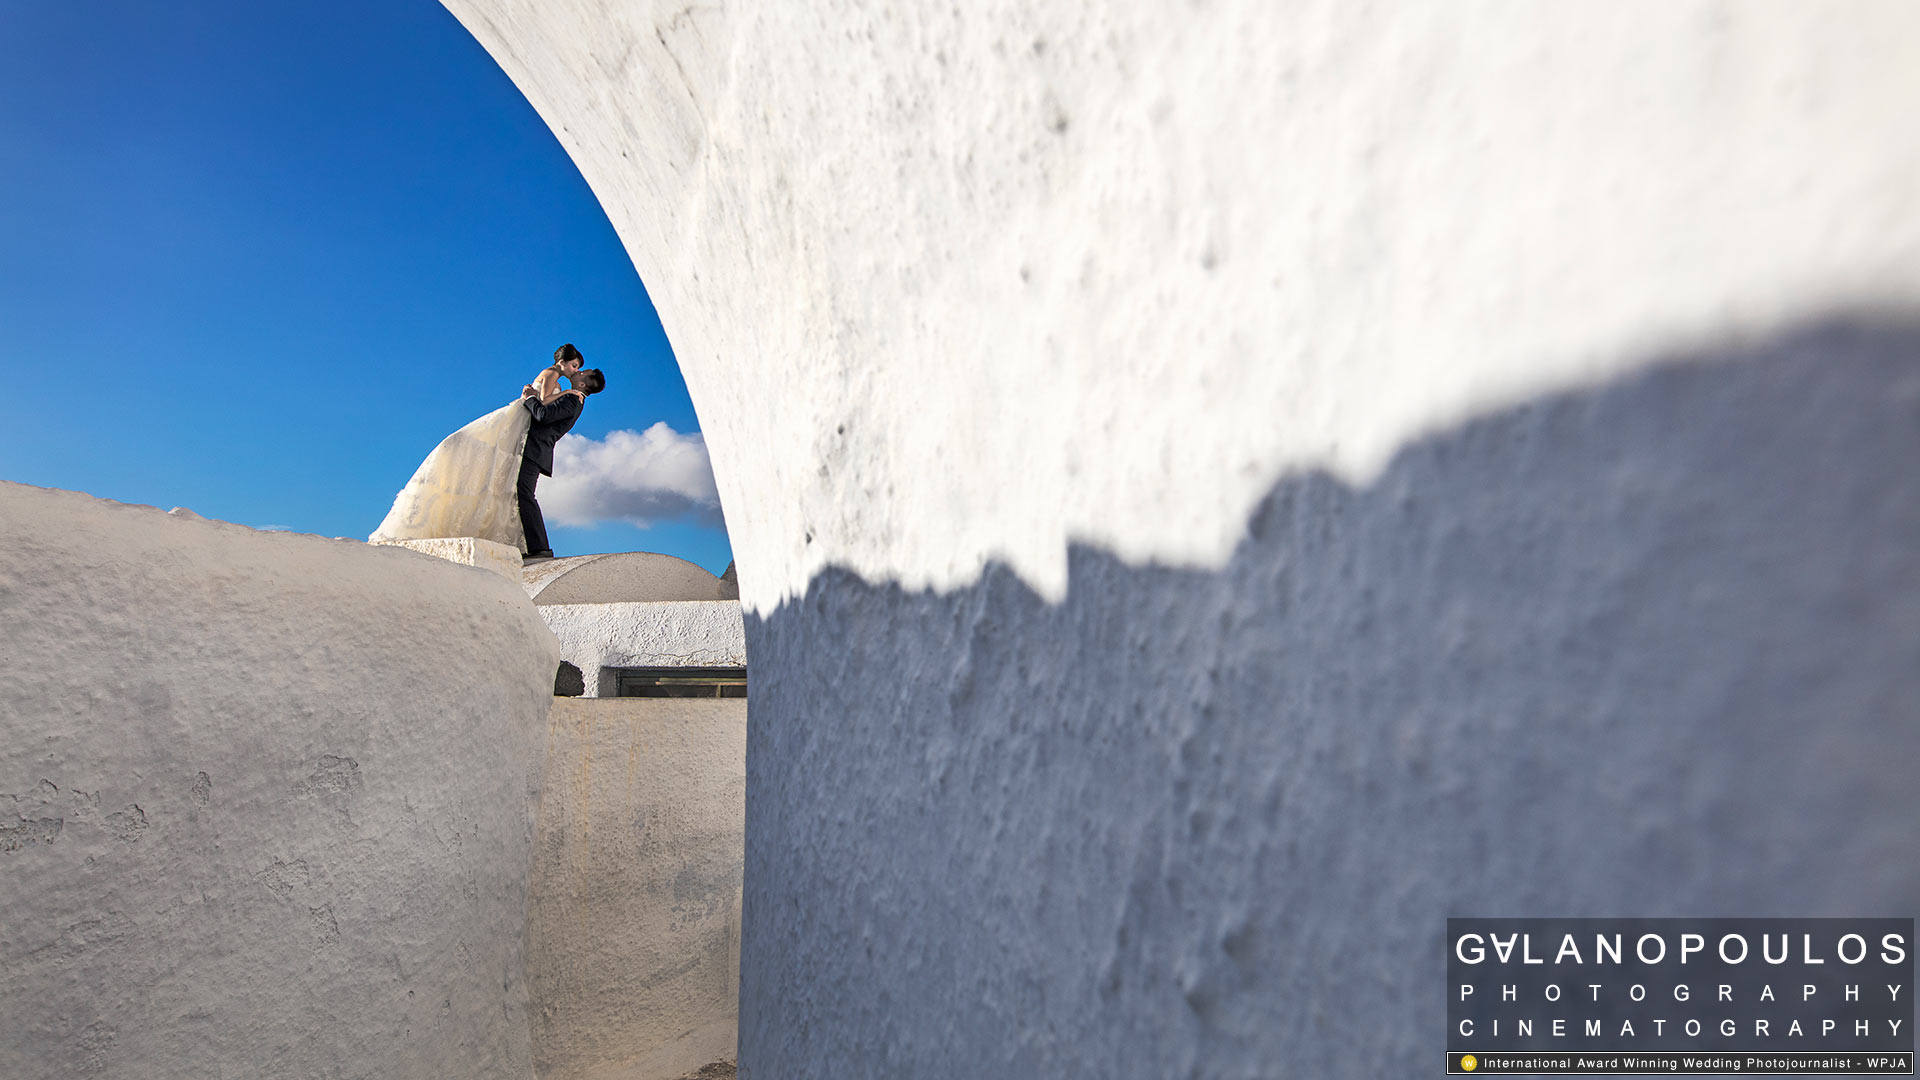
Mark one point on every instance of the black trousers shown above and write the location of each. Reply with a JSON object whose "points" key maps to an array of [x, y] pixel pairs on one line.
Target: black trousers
{"points": [[531, 522]]}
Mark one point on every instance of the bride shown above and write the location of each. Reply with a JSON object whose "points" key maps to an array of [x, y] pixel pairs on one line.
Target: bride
{"points": [[466, 486]]}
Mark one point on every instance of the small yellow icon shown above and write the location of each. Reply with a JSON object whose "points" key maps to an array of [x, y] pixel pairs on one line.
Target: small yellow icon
{"points": [[1469, 1063]]}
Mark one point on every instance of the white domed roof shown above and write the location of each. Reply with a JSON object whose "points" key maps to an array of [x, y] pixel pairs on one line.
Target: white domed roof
{"points": [[622, 577]]}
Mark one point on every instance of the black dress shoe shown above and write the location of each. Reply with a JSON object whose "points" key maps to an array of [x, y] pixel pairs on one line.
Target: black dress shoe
{"points": [[543, 553]]}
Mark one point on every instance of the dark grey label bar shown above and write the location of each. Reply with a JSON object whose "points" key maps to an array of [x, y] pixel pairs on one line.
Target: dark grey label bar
{"points": [[1589, 1064]]}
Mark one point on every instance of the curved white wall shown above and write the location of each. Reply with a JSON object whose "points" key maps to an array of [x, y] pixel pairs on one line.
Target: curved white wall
{"points": [[265, 801], [952, 284], [1220, 487]]}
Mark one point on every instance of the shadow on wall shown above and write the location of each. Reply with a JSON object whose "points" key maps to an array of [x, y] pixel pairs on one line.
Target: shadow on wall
{"points": [[1648, 649]]}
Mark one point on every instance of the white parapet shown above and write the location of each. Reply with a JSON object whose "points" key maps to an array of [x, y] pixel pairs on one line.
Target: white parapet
{"points": [[265, 801], [467, 551]]}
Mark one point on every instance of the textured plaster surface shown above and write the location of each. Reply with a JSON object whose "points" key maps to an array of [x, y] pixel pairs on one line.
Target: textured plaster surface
{"points": [[620, 577], [1220, 487], [265, 802], [958, 283], [635, 919], [672, 634], [1652, 649], [502, 559]]}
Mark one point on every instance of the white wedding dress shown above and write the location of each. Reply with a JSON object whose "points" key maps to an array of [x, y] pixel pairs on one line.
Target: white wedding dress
{"points": [[466, 486]]}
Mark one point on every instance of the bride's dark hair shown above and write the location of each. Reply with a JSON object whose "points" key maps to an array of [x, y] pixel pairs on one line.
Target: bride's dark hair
{"points": [[565, 352], [590, 380]]}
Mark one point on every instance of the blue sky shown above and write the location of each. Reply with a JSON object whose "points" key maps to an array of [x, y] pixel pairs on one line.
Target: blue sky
{"points": [[257, 259]]}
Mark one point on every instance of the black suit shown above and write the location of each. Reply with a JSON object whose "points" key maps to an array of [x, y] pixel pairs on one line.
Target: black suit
{"points": [[549, 423]]}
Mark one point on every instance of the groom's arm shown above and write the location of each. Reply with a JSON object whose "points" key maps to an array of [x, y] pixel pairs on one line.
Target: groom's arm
{"points": [[564, 407]]}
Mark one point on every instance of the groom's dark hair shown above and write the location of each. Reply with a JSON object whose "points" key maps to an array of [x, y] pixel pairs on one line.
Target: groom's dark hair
{"points": [[565, 352], [591, 381]]}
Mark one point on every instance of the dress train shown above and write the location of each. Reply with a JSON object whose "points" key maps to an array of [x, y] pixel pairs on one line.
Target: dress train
{"points": [[466, 486]]}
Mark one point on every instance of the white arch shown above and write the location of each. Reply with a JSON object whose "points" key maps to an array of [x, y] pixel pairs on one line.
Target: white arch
{"points": [[956, 283]]}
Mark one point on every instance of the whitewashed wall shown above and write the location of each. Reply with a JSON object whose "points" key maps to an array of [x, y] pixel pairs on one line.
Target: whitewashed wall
{"points": [[664, 633], [633, 935], [1219, 487], [265, 801], [956, 283]]}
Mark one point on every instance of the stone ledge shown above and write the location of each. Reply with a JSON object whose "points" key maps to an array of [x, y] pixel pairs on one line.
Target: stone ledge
{"points": [[467, 551]]}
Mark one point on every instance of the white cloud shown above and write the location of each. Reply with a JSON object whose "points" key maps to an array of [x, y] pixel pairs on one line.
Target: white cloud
{"points": [[634, 476]]}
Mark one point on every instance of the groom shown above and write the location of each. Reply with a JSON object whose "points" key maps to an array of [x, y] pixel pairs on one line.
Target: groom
{"points": [[554, 411]]}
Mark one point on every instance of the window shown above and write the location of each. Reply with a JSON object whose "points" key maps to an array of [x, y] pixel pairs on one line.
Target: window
{"points": [[680, 682]]}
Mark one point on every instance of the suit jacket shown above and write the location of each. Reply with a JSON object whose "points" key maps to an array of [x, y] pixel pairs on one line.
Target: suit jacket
{"points": [[549, 423]]}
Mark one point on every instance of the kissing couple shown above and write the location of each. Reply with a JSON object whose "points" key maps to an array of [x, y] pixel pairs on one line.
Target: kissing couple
{"points": [[480, 480]]}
